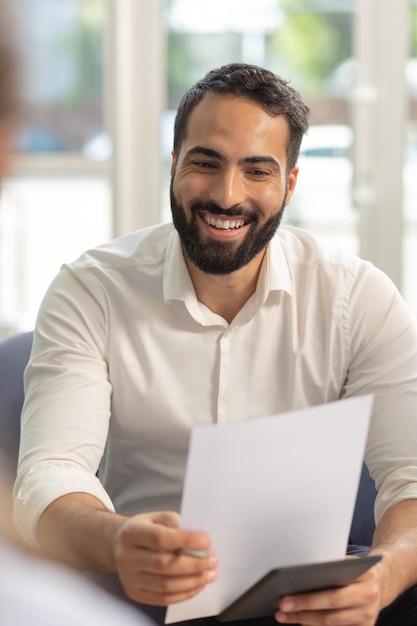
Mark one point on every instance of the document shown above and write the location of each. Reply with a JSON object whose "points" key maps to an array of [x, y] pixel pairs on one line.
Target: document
{"points": [[272, 492]]}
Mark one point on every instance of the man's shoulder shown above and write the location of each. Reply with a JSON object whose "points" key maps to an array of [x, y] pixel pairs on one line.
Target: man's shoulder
{"points": [[314, 264], [303, 248], [143, 247]]}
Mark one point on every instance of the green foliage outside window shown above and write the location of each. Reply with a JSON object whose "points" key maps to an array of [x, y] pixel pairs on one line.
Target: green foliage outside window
{"points": [[310, 46], [85, 43]]}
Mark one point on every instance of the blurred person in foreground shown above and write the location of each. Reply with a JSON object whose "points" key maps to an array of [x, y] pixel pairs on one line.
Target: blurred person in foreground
{"points": [[222, 315], [33, 590]]}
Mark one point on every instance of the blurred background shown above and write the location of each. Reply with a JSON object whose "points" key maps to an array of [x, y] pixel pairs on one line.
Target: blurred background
{"points": [[104, 78]]}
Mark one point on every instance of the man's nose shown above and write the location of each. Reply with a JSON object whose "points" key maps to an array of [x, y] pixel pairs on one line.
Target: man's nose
{"points": [[228, 189]]}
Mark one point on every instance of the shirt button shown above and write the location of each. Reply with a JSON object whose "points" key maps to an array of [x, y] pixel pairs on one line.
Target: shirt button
{"points": [[225, 399], [226, 334]]}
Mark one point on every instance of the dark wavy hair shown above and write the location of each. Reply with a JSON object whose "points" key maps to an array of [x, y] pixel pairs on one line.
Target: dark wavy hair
{"points": [[267, 89], [9, 64]]}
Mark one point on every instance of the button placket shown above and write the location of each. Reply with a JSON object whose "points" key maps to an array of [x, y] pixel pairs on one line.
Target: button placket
{"points": [[223, 400]]}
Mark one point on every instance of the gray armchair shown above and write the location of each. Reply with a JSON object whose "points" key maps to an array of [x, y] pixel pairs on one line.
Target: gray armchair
{"points": [[14, 355]]}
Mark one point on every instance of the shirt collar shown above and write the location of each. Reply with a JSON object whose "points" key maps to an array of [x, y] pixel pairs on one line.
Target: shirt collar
{"points": [[176, 279], [277, 271]]}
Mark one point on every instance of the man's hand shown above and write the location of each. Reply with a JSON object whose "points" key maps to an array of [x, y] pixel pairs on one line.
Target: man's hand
{"points": [[148, 551], [357, 604]]}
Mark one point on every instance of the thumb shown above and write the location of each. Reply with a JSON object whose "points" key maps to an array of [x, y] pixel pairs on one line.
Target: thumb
{"points": [[165, 518]]}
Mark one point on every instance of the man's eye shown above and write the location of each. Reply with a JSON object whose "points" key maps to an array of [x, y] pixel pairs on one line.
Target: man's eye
{"points": [[203, 164], [258, 173]]}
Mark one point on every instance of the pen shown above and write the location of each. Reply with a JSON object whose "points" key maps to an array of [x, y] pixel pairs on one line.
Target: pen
{"points": [[198, 554]]}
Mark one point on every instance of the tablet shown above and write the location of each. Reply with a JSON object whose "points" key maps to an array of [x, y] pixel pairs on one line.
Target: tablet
{"points": [[262, 598]]}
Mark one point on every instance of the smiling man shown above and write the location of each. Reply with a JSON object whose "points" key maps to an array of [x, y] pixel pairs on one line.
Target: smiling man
{"points": [[222, 316]]}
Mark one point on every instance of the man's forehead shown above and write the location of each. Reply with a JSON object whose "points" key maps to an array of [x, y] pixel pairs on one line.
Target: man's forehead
{"points": [[214, 107], [227, 115], [218, 100]]}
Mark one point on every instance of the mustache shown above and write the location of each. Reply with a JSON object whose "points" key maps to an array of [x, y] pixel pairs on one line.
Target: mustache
{"points": [[236, 210]]}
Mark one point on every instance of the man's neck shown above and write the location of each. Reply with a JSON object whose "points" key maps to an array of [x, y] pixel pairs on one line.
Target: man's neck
{"points": [[226, 294]]}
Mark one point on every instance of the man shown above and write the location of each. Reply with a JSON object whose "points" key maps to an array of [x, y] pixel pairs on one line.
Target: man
{"points": [[220, 317], [33, 590]]}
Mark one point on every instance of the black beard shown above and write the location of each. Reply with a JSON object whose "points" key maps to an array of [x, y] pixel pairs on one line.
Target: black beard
{"points": [[222, 257]]}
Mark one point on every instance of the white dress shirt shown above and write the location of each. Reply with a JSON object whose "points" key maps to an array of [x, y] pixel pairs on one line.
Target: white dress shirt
{"points": [[126, 361]]}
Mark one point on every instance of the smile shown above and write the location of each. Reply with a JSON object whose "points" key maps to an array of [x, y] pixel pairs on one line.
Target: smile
{"points": [[224, 223]]}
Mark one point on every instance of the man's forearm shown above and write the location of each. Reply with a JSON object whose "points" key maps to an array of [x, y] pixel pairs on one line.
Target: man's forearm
{"points": [[149, 552], [396, 539], [79, 530]]}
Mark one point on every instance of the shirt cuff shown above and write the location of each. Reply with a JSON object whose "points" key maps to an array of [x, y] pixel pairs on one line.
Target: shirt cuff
{"points": [[41, 486], [399, 486]]}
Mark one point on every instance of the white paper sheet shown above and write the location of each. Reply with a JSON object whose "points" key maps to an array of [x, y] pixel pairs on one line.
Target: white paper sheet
{"points": [[272, 492]]}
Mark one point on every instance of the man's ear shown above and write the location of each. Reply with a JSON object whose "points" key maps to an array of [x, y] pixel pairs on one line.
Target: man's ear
{"points": [[291, 183], [173, 161]]}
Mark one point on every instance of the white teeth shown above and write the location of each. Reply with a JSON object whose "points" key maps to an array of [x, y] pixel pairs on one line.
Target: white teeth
{"points": [[224, 225]]}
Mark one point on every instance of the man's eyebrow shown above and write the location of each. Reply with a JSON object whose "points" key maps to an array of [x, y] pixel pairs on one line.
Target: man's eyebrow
{"points": [[216, 155], [262, 159], [206, 151]]}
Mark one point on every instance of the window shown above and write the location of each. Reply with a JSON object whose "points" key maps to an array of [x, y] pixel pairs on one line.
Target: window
{"points": [[409, 249], [104, 78], [58, 200]]}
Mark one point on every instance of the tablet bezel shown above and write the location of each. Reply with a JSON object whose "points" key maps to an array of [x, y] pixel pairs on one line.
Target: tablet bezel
{"points": [[262, 598]]}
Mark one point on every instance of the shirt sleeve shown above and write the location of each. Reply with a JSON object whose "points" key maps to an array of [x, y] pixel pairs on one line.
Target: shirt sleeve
{"points": [[383, 361], [62, 441]]}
